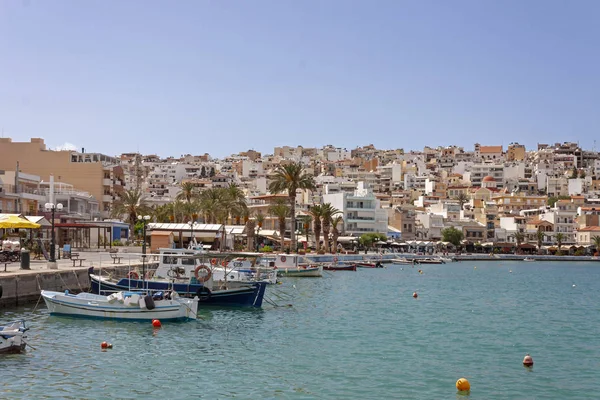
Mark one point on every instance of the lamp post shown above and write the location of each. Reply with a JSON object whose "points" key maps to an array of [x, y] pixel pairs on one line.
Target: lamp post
{"points": [[51, 207], [144, 220]]}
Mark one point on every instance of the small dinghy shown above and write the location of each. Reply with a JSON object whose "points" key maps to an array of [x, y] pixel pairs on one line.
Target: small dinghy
{"points": [[12, 338]]}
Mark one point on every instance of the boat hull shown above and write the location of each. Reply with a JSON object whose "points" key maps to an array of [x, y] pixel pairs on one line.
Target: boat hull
{"points": [[250, 295], [12, 339], [301, 271], [339, 267], [95, 306]]}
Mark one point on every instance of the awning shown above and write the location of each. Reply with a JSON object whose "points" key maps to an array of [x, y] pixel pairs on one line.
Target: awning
{"points": [[16, 221], [347, 239]]}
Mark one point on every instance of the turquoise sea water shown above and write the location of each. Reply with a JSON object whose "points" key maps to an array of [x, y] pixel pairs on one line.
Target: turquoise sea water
{"points": [[350, 335]]}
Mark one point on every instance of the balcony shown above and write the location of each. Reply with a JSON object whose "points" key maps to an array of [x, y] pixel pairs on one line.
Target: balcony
{"points": [[107, 182], [107, 198]]}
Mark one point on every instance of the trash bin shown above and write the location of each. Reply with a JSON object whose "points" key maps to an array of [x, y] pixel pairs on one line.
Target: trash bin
{"points": [[25, 259]]}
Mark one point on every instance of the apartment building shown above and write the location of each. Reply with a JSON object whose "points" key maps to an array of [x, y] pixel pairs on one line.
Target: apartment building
{"points": [[90, 172], [361, 210]]}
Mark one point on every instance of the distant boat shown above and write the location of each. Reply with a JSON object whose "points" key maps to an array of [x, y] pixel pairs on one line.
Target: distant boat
{"points": [[12, 338], [293, 265], [121, 305], [429, 261], [402, 261], [529, 259], [339, 267]]}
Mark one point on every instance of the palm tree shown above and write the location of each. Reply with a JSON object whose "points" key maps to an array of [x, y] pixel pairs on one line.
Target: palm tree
{"points": [[328, 212], [596, 241], [519, 239], [234, 201], [306, 221], [462, 198], [211, 204], [540, 239], [290, 178], [316, 212], [280, 210], [131, 204], [335, 231], [559, 239], [188, 192]]}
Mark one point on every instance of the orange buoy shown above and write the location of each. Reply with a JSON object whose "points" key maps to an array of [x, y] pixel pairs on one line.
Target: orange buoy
{"points": [[104, 345], [463, 385], [415, 295], [156, 323], [528, 361]]}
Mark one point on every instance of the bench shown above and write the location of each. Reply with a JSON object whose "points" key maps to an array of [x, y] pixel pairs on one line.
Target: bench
{"points": [[115, 256], [75, 258], [5, 264]]}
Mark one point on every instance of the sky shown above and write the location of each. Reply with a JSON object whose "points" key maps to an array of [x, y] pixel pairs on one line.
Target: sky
{"points": [[220, 77]]}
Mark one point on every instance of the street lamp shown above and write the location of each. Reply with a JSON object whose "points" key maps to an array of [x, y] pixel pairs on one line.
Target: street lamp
{"points": [[51, 207], [144, 220], [192, 241]]}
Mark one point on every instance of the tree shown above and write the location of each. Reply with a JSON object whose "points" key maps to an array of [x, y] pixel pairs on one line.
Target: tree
{"points": [[335, 231], [540, 239], [582, 174], [553, 199], [368, 239], [131, 203], [306, 221], [328, 212], [188, 192], [203, 172], [519, 237], [462, 198], [596, 242], [290, 178], [316, 212], [574, 173], [559, 239], [280, 210], [212, 171], [234, 201], [211, 205], [452, 235]]}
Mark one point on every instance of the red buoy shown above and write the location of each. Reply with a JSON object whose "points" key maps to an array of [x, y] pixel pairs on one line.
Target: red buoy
{"points": [[528, 361], [104, 345], [415, 295], [156, 323]]}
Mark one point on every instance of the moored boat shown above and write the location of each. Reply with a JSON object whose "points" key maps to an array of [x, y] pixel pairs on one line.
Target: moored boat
{"points": [[339, 267], [294, 265], [529, 259], [12, 337], [429, 261], [219, 279], [122, 305]]}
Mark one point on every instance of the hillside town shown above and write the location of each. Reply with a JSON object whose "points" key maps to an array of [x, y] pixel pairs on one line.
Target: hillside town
{"points": [[509, 200]]}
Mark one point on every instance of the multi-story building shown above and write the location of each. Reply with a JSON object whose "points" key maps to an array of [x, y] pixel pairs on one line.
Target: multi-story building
{"points": [[90, 172], [361, 211]]}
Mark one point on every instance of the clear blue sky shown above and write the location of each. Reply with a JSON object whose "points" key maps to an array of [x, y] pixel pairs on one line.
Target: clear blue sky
{"points": [[175, 77]]}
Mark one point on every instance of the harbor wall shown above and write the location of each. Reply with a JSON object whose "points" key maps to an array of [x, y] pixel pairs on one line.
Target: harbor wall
{"points": [[20, 288]]}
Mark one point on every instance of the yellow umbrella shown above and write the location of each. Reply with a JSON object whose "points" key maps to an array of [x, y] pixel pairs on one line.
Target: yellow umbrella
{"points": [[15, 221]]}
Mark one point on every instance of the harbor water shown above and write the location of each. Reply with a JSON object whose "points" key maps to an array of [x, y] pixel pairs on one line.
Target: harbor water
{"points": [[349, 335]]}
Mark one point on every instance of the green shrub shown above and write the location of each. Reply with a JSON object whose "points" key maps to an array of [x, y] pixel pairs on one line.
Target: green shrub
{"points": [[266, 249], [580, 252], [117, 243]]}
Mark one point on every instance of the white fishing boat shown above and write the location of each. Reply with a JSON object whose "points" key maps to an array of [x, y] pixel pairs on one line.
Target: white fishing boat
{"points": [[529, 259], [402, 261], [294, 265], [121, 305], [12, 337]]}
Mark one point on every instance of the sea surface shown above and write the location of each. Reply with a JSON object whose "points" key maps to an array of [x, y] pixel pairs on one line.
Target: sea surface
{"points": [[349, 335]]}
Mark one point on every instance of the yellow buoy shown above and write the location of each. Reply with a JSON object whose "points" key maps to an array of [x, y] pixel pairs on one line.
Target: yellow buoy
{"points": [[463, 385], [474, 267]]}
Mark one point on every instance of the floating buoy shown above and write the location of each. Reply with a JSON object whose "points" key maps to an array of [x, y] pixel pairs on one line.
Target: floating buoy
{"points": [[474, 267], [104, 345], [415, 295], [510, 271], [110, 345], [463, 385], [574, 285], [528, 361], [156, 323]]}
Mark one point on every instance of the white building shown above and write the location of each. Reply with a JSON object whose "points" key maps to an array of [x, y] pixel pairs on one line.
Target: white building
{"points": [[361, 211]]}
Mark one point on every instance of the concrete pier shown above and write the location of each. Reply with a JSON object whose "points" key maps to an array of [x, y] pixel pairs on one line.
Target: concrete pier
{"points": [[21, 286]]}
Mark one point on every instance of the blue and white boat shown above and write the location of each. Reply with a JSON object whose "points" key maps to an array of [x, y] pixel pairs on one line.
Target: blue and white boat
{"points": [[222, 279], [121, 305], [12, 337]]}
